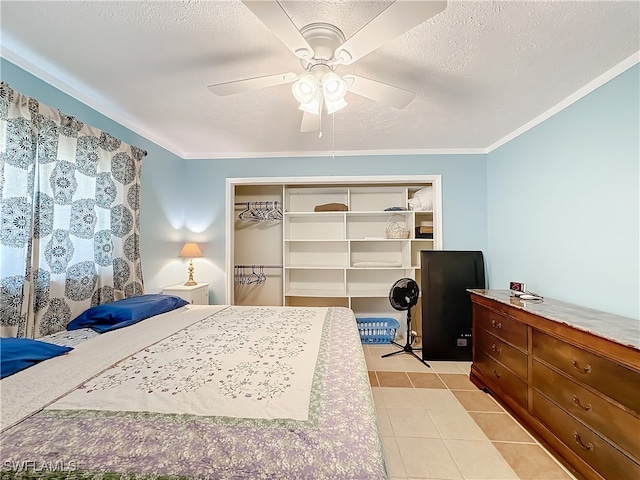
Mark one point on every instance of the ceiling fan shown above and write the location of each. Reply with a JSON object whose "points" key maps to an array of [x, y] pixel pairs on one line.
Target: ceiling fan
{"points": [[322, 47]]}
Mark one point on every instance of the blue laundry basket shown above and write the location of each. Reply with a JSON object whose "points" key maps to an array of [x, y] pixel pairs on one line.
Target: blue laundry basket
{"points": [[377, 330]]}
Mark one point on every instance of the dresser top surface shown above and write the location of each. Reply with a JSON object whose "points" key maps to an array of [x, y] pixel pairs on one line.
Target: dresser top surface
{"points": [[619, 329]]}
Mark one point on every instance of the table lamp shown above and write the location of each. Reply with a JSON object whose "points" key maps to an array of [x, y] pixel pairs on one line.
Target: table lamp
{"points": [[190, 250]]}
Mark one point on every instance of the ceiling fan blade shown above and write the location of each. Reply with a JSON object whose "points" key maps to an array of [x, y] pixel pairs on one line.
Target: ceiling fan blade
{"points": [[256, 83], [400, 17], [271, 13], [310, 122], [380, 92]]}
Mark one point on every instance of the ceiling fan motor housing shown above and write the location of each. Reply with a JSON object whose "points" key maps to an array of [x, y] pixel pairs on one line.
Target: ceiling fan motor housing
{"points": [[324, 39]]}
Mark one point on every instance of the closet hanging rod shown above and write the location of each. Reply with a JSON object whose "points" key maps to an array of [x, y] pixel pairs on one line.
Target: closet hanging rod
{"points": [[244, 204], [258, 266]]}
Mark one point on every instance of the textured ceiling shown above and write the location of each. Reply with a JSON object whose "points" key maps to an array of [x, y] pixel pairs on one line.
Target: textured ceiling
{"points": [[481, 70]]}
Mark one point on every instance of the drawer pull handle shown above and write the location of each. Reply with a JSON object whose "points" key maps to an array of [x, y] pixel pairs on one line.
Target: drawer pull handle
{"points": [[498, 375], [495, 324], [588, 446], [495, 349], [586, 369], [576, 400]]}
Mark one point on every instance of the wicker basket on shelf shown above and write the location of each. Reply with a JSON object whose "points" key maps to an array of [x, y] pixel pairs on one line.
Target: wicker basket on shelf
{"points": [[395, 229]]}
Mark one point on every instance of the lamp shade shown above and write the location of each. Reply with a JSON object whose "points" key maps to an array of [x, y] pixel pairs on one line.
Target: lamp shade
{"points": [[190, 250]]}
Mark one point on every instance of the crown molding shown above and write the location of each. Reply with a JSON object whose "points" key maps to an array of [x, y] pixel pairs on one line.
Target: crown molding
{"points": [[340, 153]]}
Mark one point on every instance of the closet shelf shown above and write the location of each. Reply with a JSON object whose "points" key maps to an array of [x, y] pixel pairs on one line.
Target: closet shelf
{"points": [[300, 292]]}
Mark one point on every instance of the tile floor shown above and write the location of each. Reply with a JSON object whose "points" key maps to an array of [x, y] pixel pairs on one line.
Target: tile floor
{"points": [[435, 424]]}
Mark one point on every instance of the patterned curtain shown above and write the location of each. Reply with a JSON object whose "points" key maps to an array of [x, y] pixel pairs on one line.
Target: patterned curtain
{"points": [[69, 209]]}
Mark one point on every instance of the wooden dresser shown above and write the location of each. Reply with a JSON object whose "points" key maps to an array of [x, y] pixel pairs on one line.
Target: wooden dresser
{"points": [[571, 374]]}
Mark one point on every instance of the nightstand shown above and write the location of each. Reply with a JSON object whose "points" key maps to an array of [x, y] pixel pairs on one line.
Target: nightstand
{"points": [[196, 294]]}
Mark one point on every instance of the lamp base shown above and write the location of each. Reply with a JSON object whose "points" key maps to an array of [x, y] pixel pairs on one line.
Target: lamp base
{"points": [[190, 282]]}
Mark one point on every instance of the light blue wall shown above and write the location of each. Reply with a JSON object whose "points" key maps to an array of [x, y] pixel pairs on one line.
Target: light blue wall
{"points": [[563, 203], [162, 196], [463, 195]]}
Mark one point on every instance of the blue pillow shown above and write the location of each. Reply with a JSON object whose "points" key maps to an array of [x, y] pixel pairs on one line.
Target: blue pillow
{"points": [[19, 353], [125, 312]]}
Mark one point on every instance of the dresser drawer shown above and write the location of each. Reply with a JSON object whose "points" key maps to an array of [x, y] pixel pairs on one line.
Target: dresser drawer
{"points": [[603, 457], [506, 381], [594, 411], [502, 326], [504, 353], [614, 380]]}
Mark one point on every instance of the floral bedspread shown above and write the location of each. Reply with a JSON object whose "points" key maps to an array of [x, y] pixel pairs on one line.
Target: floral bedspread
{"points": [[70, 338], [298, 373]]}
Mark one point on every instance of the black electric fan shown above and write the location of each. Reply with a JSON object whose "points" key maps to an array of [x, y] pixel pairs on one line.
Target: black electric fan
{"points": [[404, 296]]}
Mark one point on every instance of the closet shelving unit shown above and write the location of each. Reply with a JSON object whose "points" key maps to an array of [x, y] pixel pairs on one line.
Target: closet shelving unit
{"points": [[337, 258], [345, 258]]}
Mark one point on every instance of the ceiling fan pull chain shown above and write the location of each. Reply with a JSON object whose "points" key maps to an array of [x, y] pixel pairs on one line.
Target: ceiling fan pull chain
{"points": [[320, 128], [333, 127]]}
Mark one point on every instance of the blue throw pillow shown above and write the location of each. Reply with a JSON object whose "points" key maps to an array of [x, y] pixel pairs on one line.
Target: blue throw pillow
{"points": [[125, 312], [19, 353]]}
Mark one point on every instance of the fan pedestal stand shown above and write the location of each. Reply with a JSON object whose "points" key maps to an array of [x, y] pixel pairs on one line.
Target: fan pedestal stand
{"points": [[407, 348]]}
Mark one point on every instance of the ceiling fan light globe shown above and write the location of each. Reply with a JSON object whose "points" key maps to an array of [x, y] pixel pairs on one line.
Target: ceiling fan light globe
{"points": [[333, 87], [333, 107], [311, 107], [305, 88]]}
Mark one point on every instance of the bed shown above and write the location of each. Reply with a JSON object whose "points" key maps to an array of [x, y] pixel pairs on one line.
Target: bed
{"points": [[202, 392]]}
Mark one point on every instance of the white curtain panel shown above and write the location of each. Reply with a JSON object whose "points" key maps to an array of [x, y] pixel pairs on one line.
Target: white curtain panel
{"points": [[69, 211]]}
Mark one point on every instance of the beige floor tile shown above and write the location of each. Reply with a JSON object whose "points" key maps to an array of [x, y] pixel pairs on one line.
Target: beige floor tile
{"points": [[438, 399], [381, 349], [388, 364], [457, 381], [501, 427], [477, 401], [373, 379], [412, 422], [425, 380], [394, 397], [440, 366], [531, 462], [456, 425], [393, 379], [465, 366], [392, 457], [378, 399], [411, 364], [384, 425], [479, 460], [427, 458]]}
